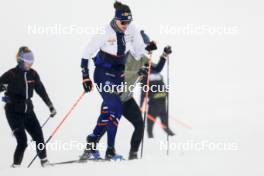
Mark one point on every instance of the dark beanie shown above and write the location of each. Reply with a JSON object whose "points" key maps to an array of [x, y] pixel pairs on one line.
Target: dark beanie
{"points": [[122, 12]]}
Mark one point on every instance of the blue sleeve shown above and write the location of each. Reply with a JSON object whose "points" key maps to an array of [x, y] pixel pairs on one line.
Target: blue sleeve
{"points": [[85, 66], [84, 63]]}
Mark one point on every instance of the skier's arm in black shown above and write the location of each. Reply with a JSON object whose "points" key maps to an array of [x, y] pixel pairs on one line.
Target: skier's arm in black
{"points": [[41, 91], [157, 68], [4, 80]]}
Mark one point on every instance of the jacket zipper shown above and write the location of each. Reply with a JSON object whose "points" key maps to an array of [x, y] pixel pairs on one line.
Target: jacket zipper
{"points": [[26, 83]]}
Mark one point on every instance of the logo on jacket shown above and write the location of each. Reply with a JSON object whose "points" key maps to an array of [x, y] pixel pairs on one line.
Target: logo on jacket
{"points": [[31, 81], [111, 41]]}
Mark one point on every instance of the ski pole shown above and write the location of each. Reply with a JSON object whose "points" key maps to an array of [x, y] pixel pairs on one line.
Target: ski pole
{"points": [[181, 122], [153, 119], [42, 126], [146, 103], [168, 83], [59, 125]]}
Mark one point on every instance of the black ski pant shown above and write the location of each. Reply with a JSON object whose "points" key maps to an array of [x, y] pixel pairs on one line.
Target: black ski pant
{"points": [[157, 108], [132, 113], [19, 124]]}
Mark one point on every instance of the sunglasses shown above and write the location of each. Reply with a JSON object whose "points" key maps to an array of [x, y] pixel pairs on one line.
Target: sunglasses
{"points": [[125, 22]]}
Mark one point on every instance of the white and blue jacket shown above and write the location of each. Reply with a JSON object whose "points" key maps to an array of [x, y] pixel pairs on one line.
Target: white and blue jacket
{"points": [[110, 49]]}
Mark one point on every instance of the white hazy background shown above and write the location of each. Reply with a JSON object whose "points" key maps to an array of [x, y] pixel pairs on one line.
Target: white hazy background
{"points": [[216, 83]]}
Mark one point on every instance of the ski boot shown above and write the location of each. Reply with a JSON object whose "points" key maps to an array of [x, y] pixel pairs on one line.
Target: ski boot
{"points": [[45, 163], [90, 153], [169, 132], [150, 134], [112, 156], [132, 155], [15, 166]]}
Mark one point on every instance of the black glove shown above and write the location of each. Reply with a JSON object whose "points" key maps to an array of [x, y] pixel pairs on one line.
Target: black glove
{"points": [[87, 83], [151, 46], [167, 51], [53, 111], [2, 88], [143, 71]]}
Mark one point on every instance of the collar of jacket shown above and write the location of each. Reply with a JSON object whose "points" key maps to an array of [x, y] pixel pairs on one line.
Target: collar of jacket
{"points": [[115, 27], [21, 67]]}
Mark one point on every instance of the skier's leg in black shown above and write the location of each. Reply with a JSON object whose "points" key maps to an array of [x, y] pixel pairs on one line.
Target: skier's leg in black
{"points": [[16, 124], [21, 139], [164, 117], [163, 113], [150, 124], [132, 113], [152, 112], [34, 129]]}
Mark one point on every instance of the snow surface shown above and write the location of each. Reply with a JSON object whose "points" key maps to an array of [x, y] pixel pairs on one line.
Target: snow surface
{"points": [[216, 79]]}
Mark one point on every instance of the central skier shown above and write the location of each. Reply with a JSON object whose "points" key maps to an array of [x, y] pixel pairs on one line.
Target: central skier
{"points": [[111, 50]]}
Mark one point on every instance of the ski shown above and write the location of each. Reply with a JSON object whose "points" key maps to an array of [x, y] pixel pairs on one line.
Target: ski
{"points": [[66, 162], [82, 161]]}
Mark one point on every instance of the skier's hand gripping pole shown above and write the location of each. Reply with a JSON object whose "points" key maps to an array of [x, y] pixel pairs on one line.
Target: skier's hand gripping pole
{"points": [[87, 82]]}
